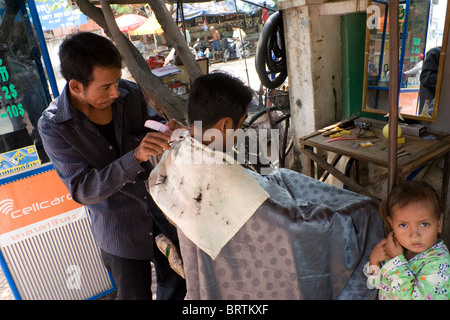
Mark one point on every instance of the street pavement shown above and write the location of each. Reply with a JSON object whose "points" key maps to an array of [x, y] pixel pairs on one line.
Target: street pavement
{"points": [[243, 69]]}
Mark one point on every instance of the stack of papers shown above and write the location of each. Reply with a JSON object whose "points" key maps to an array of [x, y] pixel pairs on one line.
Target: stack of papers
{"points": [[166, 71]]}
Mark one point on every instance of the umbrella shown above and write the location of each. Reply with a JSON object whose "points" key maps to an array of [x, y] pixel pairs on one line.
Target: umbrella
{"points": [[129, 22], [150, 26]]}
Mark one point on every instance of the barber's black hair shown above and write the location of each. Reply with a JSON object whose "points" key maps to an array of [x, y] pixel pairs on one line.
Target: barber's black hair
{"points": [[215, 96], [80, 53]]}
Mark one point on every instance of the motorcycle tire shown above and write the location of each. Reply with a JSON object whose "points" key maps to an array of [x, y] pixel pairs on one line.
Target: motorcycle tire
{"points": [[276, 54], [226, 55], [246, 53], [270, 53]]}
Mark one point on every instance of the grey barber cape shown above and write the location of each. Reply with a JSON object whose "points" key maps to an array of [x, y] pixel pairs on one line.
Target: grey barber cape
{"points": [[247, 236]]}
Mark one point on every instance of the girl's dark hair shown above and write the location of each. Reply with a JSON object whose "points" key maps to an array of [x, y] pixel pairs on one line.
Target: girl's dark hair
{"points": [[215, 96], [410, 192], [80, 53]]}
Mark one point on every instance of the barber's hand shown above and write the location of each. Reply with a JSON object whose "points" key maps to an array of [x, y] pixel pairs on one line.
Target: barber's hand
{"points": [[393, 247], [153, 144], [174, 124]]}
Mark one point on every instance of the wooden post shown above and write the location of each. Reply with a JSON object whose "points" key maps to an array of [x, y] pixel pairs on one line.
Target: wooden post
{"points": [[393, 92]]}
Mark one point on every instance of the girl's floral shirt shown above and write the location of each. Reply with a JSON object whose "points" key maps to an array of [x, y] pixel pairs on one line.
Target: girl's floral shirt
{"points": [[426, 276]]}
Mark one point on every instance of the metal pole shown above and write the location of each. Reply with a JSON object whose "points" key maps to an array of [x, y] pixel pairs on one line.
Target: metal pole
{"points": [[44, 49], [393, 92], [242, 44]]}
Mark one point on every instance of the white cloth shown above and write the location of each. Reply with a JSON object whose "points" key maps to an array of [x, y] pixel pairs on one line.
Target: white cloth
{"points": [[415, 71], [204, 193], [239, 34]]}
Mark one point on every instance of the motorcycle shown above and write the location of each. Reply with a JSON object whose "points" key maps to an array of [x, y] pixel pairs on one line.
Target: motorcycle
{"points": [[201, 48], [230, 53], [171, 57]]}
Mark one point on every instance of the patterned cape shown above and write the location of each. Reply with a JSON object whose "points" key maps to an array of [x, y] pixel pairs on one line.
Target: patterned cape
{"points": [[293, 237]]}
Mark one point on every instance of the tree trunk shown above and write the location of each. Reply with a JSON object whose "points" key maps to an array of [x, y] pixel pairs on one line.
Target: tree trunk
{"points": [[176, 38]]}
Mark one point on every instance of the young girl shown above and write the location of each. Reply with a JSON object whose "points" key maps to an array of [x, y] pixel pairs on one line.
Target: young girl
{"points": [[411, 263]]}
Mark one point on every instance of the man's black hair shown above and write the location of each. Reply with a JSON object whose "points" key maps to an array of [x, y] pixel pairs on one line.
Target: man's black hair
{"points": [[215, 96], [80, 53]]}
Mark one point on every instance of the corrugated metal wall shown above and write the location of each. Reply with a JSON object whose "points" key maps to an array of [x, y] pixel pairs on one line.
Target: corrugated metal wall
{"points": [[62, 264]]}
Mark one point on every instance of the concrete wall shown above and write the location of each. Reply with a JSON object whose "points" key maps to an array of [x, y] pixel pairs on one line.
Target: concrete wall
{"points": [[314, 65], [312, 36]]}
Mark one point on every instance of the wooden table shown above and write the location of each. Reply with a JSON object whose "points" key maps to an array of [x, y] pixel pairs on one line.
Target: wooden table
{"points": [[422, 153]]}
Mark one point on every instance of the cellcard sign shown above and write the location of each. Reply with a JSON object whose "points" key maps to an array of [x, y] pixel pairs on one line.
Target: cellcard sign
{"points": [[35, 205], [55, 14]]}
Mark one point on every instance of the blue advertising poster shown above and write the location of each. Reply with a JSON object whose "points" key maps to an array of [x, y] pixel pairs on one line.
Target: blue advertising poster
{"points": [[56, 14], [19, 159]]}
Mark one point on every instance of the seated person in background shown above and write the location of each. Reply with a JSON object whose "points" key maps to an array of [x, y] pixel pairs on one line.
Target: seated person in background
{"points": [[247, 236], [428, 80]]}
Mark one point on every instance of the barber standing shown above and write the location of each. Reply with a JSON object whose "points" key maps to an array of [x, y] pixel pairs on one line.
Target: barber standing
{"points": [[95, 137]]}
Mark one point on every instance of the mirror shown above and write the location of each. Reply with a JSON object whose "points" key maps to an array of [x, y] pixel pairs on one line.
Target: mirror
{"points": [[423, 27]]}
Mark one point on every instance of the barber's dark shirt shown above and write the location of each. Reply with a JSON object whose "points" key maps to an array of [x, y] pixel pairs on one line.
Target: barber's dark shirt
{"points": [[108, 131], [108, 180]]}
